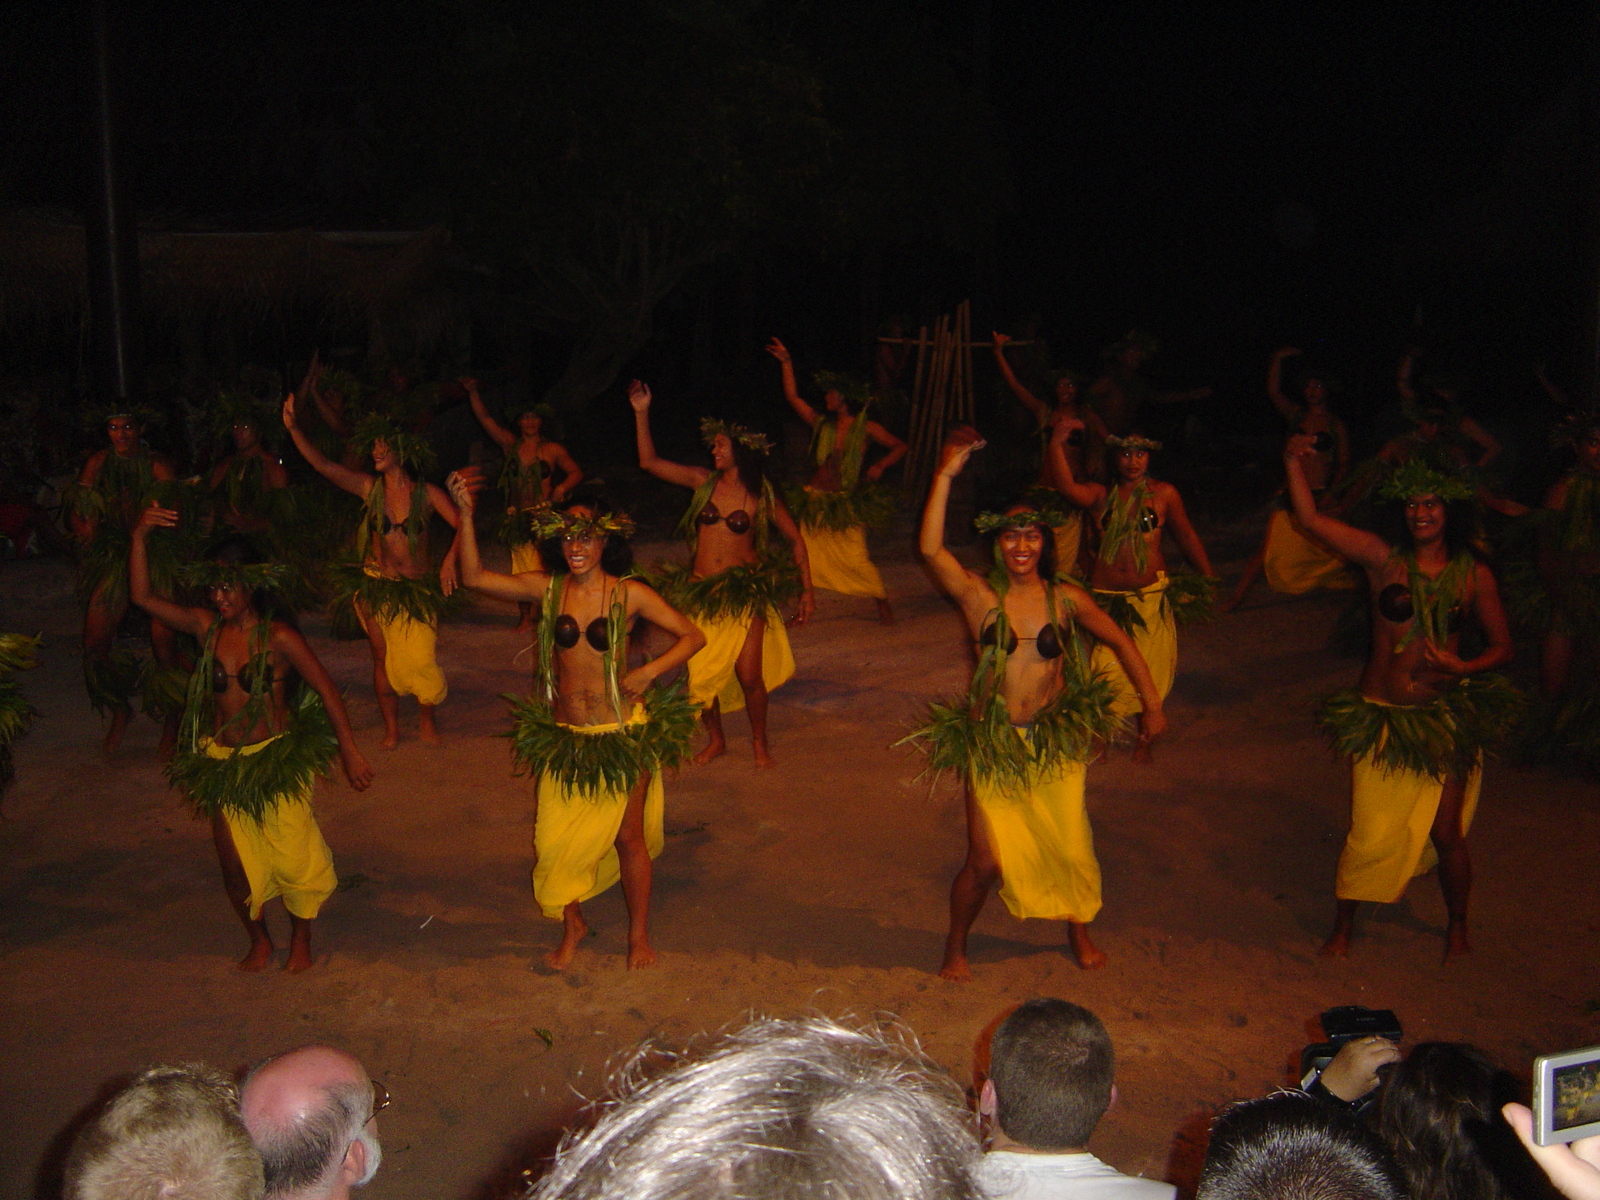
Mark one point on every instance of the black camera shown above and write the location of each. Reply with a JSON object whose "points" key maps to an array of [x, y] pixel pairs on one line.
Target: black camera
{"points": [[1341, 1025]]}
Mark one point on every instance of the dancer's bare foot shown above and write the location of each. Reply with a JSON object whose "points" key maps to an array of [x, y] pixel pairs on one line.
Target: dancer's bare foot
{"points": [[1337, 945], [1456, 944], [574, 927], [640, 955], [119, 722], [258, 958], [763, 755], [390, 740], [885, 613], [715, 748], [955, 967], [299, 960], [1090, 957], [1142, 753], [427, 729]]}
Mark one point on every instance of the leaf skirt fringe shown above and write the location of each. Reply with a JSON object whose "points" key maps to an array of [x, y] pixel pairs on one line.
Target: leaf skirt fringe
{"points": [[1444, 737], [736, 592], [250, 784], [870, 505], [596, 764]]}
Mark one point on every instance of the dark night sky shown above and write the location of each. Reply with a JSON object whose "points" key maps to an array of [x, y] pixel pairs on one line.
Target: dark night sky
{"points": [[1229, 174]]}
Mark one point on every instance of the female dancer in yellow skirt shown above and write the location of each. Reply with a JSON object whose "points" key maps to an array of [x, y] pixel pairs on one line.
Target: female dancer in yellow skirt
{"points": [[842, 499], [736, 582], [1034, 716], [1418, 725], [595, 736], [249, 753], [1130, 578]]}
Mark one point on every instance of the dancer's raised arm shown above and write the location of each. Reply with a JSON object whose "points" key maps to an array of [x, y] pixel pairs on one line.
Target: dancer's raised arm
{"points": [[1031, 402], [502, 436], [689, 477], [1081, 494], [791, 391], [526, 585], [1287, 408], [964, 587], [1368, 549], [177, 617], [355, 482]]}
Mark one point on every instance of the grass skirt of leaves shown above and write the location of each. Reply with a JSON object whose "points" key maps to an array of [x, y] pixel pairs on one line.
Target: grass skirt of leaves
{"points": [[248, 785], [163, 691], [422, 600], [1190, 598], [984, 748], [597, 763], [112, 682], [871, 506], [16, 714], [1444, 737], [736, 592]]}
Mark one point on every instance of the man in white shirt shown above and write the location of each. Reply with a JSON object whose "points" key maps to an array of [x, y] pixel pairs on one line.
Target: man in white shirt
{"points": [[1050, 1068]]}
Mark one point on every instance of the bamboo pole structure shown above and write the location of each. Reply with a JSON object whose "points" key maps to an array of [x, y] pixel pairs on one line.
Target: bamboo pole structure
{"points": [[942, 393]]}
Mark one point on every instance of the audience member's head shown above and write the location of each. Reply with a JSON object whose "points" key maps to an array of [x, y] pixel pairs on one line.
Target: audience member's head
{"points": [[172, 1134], [778, 1109], [1438, 1111], [310, 1114], [1050, 1068], [1292, 1146]]}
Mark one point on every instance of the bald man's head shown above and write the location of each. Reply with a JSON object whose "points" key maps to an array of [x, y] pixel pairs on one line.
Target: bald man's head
{"points": [[309, 1112]]}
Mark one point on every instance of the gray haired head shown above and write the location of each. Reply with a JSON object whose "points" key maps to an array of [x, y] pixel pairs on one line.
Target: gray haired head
{"points": [[787, 1110]]}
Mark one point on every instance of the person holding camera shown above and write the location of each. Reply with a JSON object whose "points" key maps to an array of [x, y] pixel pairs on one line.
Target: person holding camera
{"points": [[1419, 723]]}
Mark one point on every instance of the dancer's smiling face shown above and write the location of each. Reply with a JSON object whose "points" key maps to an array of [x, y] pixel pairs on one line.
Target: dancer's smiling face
{"points": [[1425, 517], [833, 401], [530, 423], [582, 552], [123, 430], [1020, 549], [1066, 390], [722, 452], [1132, 463], [383, 456], [230, 600]]}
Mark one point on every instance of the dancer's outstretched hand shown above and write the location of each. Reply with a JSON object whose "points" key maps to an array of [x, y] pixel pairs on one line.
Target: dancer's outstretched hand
{"points": [[1300, 445], [1574, 1168], [778, 350], [155, 516], [449, 577], [804, 610], [1000, 340], [464, 486], [356, 769], [639, 396], [959, 444]]}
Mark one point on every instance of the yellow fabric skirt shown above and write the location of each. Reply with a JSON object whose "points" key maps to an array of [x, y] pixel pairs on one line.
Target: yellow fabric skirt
{"points": [[284, 854], [408, 656], [1391, 819], [525, 558], [575, 834], [1044, 846], [1295, 563], [1068, 538], [1157, 641], [711, 670], [839, 561]]}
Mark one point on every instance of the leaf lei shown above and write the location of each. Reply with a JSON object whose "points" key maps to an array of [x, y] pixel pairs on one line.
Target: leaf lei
{"points": [[1433, 600], [824, 439], [766, 505], [1580, 513], [201, 701], [1120, 520], [616, 637], [517, 478], [375, 509]]}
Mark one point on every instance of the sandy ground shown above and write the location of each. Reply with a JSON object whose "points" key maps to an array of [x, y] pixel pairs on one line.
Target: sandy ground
{"points": [[819, 886]]}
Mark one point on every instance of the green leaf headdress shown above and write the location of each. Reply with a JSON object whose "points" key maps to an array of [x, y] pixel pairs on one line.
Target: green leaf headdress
{"points": [[413, 450], [96, 416], [552, 523], [855, 391], [1133, 441], [710, 427], [208, 573], [239, 407], [991, 522], [1416, 477]]}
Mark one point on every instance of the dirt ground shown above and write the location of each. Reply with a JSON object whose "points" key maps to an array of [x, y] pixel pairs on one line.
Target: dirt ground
{"points": [[818, 886]]}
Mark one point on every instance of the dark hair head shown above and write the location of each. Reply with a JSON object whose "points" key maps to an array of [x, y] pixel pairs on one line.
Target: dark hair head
{"points": [[616, 558], [237, 550], [1051, 1066], [1047, 552], [750, 465], [1292, 1146], [1439, 1114]]}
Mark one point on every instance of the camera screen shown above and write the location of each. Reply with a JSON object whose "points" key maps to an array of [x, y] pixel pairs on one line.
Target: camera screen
{"points": [[1577, 1095]]}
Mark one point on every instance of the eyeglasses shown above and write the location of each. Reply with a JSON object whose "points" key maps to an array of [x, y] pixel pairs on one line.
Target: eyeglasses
{"points": [[380, 1098]]}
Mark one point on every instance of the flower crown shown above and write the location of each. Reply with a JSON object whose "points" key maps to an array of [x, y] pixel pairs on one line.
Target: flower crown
{"points": [[852, 389], [989, 522], [1133, 441], [248, 576], [412, 449], [710, 427], [548, 523], [1417, 478]]}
